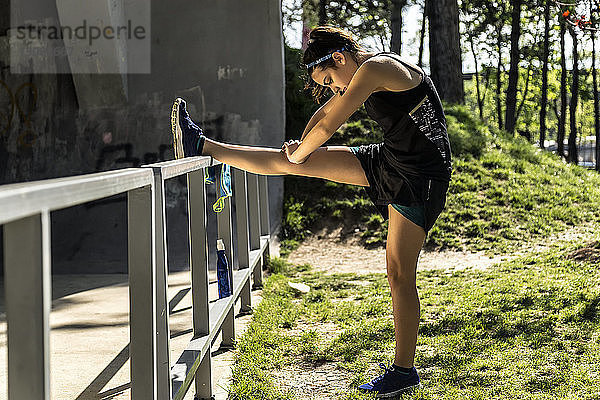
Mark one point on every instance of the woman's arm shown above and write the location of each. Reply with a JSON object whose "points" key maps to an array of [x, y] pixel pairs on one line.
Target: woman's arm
{"points": [[319, 114], [368, 77]]}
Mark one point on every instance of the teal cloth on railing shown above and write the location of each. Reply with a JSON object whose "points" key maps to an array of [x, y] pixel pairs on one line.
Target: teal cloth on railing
{"points": [[224, 185], [210, 175]]}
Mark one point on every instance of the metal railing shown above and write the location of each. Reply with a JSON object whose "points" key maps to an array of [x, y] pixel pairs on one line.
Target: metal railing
{"points": [[25, 213]]}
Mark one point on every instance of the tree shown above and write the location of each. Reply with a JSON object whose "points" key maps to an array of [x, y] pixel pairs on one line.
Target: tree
{"points": [[545, 57], [396, 25], [499, 75], [475, 26], [572, 13], [373, 22], [485, 36], [562, 118], [323, 12], [444, 50], [422, 34], [596, 105], [513, 75], [573, 154], [479, 99]]}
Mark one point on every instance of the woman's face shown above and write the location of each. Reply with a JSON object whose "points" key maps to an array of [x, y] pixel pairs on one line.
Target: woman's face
{"points": [[336, 79]]}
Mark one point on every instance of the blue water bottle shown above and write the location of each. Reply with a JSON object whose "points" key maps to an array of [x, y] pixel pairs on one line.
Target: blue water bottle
{"points": [[223, 275]]}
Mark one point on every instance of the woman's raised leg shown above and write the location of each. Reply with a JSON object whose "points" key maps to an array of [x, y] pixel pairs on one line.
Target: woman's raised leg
{"points": [[404, 242], [334, 163]]}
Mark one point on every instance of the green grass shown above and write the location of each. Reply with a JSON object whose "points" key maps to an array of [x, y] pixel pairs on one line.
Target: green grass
{"points": [[503, 192], [526, 329], [499, 201]]}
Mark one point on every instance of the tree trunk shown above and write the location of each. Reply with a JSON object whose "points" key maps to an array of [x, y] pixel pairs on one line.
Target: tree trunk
{"points": [[396, 25], [555, 108], [513, 74], [499, 80], [560, 136], [323, 12], [422, 38], [525, 91], [545, 75], [596, 103], [444, 50], [479, 102], [573, 156], [486, 76]]}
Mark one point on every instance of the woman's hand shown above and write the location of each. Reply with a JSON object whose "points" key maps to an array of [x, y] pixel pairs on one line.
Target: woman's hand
{"points": [[289, 148], [292, 144]]}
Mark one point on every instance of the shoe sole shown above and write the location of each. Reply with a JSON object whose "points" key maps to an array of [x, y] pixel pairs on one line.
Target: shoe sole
{"points": [[406, 390], [176, 130]]}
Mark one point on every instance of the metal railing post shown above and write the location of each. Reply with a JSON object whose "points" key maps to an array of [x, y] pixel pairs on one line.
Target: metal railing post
{"points": [[254, 214], [142, 293], [243, 244], [265, 225], [28, 299], [199, 270], [224, 231], [254, 211], [162, 274]]}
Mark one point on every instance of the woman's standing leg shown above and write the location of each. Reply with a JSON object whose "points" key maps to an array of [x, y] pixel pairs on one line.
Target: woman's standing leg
{"points": [[404, 242]]}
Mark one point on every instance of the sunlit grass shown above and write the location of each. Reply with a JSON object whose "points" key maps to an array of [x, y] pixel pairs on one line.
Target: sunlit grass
{"points": [[527, 329]]}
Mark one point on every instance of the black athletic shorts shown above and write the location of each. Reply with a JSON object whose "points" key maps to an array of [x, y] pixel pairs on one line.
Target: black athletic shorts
{"points": [[389, 187]]}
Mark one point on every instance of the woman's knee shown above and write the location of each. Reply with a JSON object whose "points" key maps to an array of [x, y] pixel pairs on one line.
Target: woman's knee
{"points": [[401, 272], [289, 168]]}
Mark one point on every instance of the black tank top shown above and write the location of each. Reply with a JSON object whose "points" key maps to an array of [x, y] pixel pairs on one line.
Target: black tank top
{"points": [[415, 139]]}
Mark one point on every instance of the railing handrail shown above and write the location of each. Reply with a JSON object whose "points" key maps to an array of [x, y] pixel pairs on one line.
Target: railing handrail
{"points": [[171, 169], [20, 200]]}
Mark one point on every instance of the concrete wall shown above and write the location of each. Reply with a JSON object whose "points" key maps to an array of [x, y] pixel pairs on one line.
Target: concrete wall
{"points": [[225, 58]]}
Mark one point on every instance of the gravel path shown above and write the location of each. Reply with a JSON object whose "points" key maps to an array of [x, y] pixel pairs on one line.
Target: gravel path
{"points": [[327, 253]]}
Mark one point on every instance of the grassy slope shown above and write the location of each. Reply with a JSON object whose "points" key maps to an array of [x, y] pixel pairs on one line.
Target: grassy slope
{"points": [[504, 191]]}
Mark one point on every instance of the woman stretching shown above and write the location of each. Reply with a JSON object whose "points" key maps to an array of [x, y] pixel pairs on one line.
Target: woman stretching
{"points": [[406, 176]]}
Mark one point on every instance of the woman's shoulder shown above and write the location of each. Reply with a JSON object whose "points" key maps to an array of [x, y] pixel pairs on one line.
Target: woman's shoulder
{"points": [[393, 60], [399, 74]]}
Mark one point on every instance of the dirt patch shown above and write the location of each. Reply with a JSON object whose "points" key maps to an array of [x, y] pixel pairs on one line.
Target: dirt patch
{"points": [[590, 252], [332, 255], [330, 251], [574, 234], [327, 331], [312, 380]]}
